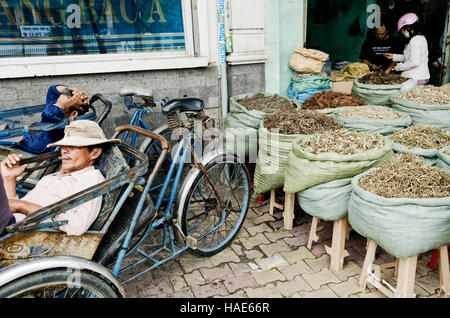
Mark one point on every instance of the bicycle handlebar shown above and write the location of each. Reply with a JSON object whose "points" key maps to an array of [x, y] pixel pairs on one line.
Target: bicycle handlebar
{"points": [[145, 132], [107, 103]]}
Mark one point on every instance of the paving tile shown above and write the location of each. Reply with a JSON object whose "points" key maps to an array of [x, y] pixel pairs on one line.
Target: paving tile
{"points": [[301, 240], [267, 263], [239, 268], [243, 280], [277, 247], [296, 269], [191, 264], [298, 254], [325, 276], [349, 269], [155, 289], [253, 254], [322, 292], [272, 275], [261, 228], [216, 273], [237, 249], [194, 278], [250, 242], [266, 217], [276, 235], [184, 293], [346, 288], [292, 286], [209, 290], [317, 264], [178, 282], [263, 292]]}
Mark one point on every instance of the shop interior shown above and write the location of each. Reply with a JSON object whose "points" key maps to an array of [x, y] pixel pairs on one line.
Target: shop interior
{"points": [[339, 27]]}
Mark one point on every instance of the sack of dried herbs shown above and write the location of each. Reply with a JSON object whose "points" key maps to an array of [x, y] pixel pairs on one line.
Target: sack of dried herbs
{"points": [[246, 113], [425, 104], [422, 140], [331, 156], [404, 206], [443, 160], [372, 119], [378, 88], [327, 201], [276, 134]]}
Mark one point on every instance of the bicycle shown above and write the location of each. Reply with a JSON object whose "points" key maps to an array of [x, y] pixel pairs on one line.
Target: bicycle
{"points": [[204, 217]]}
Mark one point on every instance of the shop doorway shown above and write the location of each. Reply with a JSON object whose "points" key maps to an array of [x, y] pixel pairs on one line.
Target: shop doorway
{"points": [[339, 28]]}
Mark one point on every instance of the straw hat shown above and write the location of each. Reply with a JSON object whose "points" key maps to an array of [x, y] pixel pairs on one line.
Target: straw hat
{"points": [[81, 133]]}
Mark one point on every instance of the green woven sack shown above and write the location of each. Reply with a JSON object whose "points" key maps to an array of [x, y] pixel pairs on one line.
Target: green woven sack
{"points": [[430, 156], [402, 227], [375, 94], [310, 82], [241, 126], [327, 201], [443, 161], [272, 158], [436, 115], [306, 169], [383, 127]]}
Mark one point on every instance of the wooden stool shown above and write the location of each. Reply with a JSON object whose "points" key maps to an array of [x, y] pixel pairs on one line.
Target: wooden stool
{"points": [[337, 252], [287, 208], [405, 271]]}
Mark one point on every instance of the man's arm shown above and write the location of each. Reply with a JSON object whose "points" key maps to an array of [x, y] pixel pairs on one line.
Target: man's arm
{"points": [[10, 169], [24, 207], [390, 67]]}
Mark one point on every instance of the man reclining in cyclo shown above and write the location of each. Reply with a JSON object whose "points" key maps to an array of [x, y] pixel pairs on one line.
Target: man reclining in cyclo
{"points": [[83, 142], [61, 102]]}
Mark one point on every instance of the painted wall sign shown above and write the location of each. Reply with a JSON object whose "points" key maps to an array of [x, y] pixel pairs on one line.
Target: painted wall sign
{"points": [[62, 27]]}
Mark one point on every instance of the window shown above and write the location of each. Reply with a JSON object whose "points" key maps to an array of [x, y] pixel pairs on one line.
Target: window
{"points": [[92, 31]]}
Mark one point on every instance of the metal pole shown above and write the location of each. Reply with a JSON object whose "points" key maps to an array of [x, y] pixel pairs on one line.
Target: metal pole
{"points": [[222, 58]]}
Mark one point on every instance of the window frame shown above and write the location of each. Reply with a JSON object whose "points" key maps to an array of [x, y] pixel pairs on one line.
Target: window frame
{"points": [[195, 55]]}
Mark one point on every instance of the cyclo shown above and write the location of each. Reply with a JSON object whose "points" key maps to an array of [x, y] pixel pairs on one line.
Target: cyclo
{"points": [[202, 214]]}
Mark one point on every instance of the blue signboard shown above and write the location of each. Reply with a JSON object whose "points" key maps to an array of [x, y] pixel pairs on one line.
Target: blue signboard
{"points": [[64, 27]]}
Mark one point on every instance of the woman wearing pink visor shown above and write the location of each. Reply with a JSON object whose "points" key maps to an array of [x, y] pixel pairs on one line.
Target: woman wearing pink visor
{"points": [[413, 63]]}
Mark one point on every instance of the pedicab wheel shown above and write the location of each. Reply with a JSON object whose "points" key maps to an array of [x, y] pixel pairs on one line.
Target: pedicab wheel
{"points": [[59, 283], [111, 242], [203, 219]]}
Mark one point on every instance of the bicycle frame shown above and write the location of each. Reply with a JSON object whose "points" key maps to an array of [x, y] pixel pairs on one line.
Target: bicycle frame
{"points": [[168, 234]]}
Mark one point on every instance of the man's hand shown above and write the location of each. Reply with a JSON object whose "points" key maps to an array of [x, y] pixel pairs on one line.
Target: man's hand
{"points": [[10, 166], [376, 67], [389, 56], [24, 207]]}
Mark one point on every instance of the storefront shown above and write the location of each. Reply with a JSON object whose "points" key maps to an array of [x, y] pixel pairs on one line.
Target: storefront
{"points": [[170, 46]]}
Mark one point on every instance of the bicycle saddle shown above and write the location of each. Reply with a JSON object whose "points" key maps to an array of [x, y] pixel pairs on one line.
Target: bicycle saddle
{"points": [[183, 105], [136, 91]]}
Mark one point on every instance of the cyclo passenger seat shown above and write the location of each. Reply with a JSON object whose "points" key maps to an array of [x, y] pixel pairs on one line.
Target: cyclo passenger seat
{"points": [[183, 105]]}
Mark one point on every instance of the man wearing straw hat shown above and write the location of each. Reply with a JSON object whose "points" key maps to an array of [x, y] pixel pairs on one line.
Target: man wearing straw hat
{"points": [[82, 144]]}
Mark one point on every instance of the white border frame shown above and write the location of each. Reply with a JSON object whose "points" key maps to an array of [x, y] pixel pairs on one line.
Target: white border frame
{"points": [[19, 67]]}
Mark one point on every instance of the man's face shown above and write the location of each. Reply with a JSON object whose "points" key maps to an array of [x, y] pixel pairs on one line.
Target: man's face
{"points": [[77, 158], [381, 33]]}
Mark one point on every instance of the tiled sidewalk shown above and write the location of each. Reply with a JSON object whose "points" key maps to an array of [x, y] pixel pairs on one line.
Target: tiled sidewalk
{"points": [[267, 261]]}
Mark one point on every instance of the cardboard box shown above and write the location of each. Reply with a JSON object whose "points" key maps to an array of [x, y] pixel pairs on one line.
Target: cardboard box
{"points": [[343, 87]]}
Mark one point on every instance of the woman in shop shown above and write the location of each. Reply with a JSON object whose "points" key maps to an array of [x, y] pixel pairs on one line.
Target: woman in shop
{"points": [[413, 63]]}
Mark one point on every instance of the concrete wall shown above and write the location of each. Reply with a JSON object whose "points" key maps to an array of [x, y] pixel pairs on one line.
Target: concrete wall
{"points": [[198, 82]]}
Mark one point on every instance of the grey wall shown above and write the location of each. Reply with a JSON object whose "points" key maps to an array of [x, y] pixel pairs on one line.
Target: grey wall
{"points": [[202, 83]]}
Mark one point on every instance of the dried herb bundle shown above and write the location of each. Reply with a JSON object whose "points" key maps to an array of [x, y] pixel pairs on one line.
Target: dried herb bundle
{"points": [[381, 78], [422, 136], [331, 99], [266, 103], [368, 112], [291, 121], [350, 72], [426, 95], [343, 142], [407, 176]]}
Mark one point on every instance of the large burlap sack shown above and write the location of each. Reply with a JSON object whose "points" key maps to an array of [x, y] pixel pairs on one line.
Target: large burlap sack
{"points": [[240, 132], [307, 60], [402, 227], [383, 127], [272, 158], [436, 115], [302, 88], [430, 156], [375, 94], [327, 201], [443, 161], [306, 169]]}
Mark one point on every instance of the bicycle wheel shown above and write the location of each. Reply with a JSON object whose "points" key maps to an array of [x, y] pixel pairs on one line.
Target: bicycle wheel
{"points": [[59, 283], [203, 218]]}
